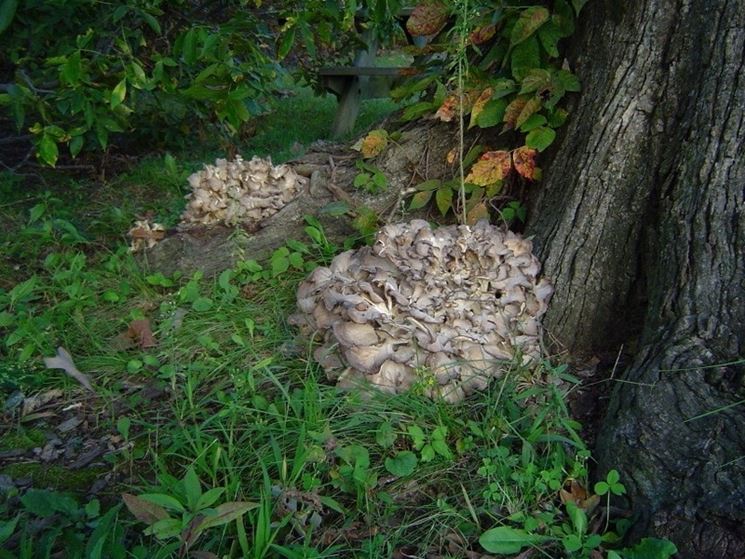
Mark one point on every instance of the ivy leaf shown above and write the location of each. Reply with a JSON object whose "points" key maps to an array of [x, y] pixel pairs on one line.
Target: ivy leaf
{"points": [[563, 18], [569, 81], [528, 23], [402, 464], [479, 105], [71, 68], [374, 143], [444, 199], [524, 161], [549, 36], [536, 79], [534, 121], [47, 150], [492, 113], [427, 18], [118, 94], [492, 167], [525, 56], [540, 138], [557, 118]]}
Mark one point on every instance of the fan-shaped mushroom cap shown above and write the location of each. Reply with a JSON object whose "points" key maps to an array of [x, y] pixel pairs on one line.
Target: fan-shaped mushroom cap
{"points": [[239, 191], [453, 303]]}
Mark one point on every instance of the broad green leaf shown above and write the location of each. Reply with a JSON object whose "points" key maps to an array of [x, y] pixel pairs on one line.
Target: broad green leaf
{"points": [[557, 118], [202, 304], [45, 503], [420, 199], [402, 464], [563, 18], [528, 23], [651, 548], [151, 21], [536, 79], [76, 144], [189, 47], [385, 435], [540, 138], [549, 36], [444, 199], [227, 512], [7, 13], [336, 208], [71, 68], [429, 185], [209, 497], [192, 488], [47, 150], [505, 540], [285, 43], [534, 121], [578, 518], [7, 528], [417, 436], [492, 114], [569, 81], [427, 453], [442, 448], [118, 94], [525, 56], [164, 529], [572, 542]]}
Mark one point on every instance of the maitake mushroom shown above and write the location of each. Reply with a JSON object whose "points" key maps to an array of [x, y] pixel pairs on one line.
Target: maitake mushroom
{"points": [[239, 191], [444, 306], [145, 234]]}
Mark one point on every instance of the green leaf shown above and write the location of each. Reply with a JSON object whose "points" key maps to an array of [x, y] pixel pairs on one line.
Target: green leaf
{"points": [[47, 150], [533, 121], [578, 518], [285, 43], [612, 477], [417, 436], [525, 56], [361, 180], [549, 35], [202, 304], [227, 512], [557, 118], [416, 110], [280, 265], [420, 199], [71, 68], [492, 114], [442, 448], [152, 22], [569, 81], [164, 529], [44, 503], [601, 488], [572, 542], [76, 144], [528, 23], [189, 47], [7, 13], [505, 540], [385, 436], [427, 453], [335, 209], [402, 464], [122, 425], [118, 94], [429, 185], [536, 79], [444, 199], [209, 498], [192, 488], [650, 548], [7, 528], [540, 138], [563, 18]]}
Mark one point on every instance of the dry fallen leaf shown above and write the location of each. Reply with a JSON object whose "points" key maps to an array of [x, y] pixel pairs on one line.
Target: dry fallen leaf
{"points": [[482, 34], [143, 510], [446, 112], [452, 156], [140, 332], [63, 361], [493, 166], [35, 402], [579, 496]]}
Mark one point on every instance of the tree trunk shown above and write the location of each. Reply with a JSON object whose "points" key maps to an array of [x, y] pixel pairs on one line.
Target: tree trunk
{"points": [[641, 225]]}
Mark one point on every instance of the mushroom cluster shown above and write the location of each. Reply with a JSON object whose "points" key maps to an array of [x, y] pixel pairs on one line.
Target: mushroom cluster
{"points": [[443, 308], [239, 191], [145, 234]]}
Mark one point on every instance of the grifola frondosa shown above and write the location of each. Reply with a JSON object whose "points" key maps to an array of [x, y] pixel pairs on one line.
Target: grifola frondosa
{"points": [[443, 306], [145, 234], [239, 191]]}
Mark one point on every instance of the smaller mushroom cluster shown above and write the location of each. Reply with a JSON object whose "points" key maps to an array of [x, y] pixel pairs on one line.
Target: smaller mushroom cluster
{"points": [[239, 191], [443, 309], [145, 234]]}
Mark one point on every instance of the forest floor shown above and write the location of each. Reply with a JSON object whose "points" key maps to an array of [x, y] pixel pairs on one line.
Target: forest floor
{"points": [[210, 417]]}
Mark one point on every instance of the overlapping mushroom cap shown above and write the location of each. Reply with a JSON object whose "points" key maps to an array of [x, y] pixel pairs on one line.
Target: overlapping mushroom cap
{"points": [[441, 306], [239, 191]]}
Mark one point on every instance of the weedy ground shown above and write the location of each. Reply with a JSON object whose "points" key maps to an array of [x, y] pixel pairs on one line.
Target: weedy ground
{"points": [[224, 435]]}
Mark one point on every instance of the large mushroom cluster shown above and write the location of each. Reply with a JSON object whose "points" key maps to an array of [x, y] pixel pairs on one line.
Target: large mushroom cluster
{"points": [[239, 191], [443, 309]]}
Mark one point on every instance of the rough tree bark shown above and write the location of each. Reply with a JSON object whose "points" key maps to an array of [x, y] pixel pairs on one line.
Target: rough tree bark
{"points": [[641, 224]]}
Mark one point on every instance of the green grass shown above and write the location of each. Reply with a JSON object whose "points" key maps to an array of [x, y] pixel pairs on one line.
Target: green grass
{"points": [[247, 414]]}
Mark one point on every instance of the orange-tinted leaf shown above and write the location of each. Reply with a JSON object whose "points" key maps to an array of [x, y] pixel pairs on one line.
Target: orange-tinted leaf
{"points": [[427, 18], [492, 167], [479, 105], [478, 212], [446, 112], [482, 34], [578, 495], [524, 161], [531, 107], [140, 332], [143, 510], [528, 23], [512, 112], [374, 143]]}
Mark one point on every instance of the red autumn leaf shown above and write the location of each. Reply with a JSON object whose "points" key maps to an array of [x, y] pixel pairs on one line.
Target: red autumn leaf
{"points": [[446, 112], [482, 34], [524, 161], [140, 332], [493, 166], [427, 18]]}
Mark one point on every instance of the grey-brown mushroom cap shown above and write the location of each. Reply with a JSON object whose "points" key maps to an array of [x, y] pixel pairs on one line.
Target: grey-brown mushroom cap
{"points": [[446, 307]]}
